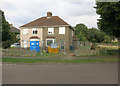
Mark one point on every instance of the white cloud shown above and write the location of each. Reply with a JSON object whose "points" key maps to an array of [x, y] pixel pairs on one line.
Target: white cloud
{"points": [[19, 12]]}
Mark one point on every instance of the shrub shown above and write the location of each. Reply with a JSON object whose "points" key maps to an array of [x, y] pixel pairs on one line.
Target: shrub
{"points": [[6, 44], [108, 52]]}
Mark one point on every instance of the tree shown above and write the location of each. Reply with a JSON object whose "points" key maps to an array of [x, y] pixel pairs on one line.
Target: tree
{"points": [[95, 35], [106, 39], [81, 37], [109, 21], [7, 37], [5, 28], [81, 31]]}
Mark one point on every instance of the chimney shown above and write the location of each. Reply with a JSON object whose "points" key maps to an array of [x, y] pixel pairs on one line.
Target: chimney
{"points": [[11, 25], [49, 14]]}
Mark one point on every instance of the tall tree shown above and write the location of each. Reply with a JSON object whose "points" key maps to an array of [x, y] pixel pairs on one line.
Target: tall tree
{"points": [[81, 29], [5, 28], [109, 21], [95, 35]]}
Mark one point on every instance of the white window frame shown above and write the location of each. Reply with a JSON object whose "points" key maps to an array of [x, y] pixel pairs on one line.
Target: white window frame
{"points": [[51, 30], [25, 31], [34, 29], [61, 30], [53, 41]]}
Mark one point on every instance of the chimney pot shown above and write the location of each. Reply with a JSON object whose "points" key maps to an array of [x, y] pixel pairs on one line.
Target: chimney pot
{"points": [[49, 14]]}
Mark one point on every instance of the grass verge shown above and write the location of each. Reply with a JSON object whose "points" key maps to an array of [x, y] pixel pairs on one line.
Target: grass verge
{"points": [[29, 60]]}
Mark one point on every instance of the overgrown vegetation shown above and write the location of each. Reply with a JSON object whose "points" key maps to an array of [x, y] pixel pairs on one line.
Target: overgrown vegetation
{"points": [[91, 35], [100, 49]]}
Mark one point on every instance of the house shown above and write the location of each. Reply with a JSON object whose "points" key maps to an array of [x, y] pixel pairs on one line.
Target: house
{"points": [[15, 30], [46, 30]]}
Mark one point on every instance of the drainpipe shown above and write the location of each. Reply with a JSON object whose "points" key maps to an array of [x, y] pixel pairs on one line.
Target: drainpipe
{"points": [[41, 47]]}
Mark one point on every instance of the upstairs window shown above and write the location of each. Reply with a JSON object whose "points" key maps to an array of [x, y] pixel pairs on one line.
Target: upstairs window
{"points": [[50, 30], [61, 30], [34, 31], [25, 31]]}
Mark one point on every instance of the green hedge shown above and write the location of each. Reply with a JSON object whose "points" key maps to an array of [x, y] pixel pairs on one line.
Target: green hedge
{"points": [[109, 52]]}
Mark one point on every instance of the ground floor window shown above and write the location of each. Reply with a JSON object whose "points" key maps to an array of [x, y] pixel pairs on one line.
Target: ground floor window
{"points": [[49, 41]]}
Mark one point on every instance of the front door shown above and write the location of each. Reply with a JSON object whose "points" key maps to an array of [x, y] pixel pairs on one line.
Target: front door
{"points": [[62, 43], [34, 45]]}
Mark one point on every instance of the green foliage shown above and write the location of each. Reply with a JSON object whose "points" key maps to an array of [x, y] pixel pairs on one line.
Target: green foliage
{"points": [[81, 28], [95, 35], [87, 60], [92, 34], [81, 37], [106, 39], [13, 38], [7, 37], [108, 52], [109, 21], [6, 44], [81, 32], [5, 29]]}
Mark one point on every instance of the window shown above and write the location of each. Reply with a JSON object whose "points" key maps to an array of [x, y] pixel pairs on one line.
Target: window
{"points": [[34, 31], [25, 31], [49, 41], [50, 30], [32, 43], [61, 30]]}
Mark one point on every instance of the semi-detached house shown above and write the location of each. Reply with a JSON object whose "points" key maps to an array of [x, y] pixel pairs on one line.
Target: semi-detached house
{"points": [[49, 29]]}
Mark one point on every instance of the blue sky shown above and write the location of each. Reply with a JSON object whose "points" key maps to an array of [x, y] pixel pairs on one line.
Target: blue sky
{"points": [[23, 11]]}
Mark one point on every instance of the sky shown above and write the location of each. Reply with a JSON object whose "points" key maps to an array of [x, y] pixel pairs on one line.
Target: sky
{"points": [[20, 12]]}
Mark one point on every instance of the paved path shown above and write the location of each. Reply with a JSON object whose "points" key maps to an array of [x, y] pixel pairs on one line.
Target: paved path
{"points": [[94, 73]]}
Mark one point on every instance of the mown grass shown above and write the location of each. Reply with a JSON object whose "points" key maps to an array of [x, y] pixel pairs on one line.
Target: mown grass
{"points": [[29, 60]]}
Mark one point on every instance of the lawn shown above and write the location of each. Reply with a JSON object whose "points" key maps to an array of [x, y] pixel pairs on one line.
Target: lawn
{"points": [[29, 60]]}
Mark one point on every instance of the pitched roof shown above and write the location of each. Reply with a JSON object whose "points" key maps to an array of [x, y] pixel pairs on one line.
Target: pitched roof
{"points": [[14, 29], [46, 21]]}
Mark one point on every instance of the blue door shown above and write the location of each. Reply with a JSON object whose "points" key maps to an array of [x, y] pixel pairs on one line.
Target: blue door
{"points": [[34, 45]]}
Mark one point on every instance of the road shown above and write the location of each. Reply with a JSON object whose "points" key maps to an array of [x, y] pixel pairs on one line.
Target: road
{"points": [[82, 73]]}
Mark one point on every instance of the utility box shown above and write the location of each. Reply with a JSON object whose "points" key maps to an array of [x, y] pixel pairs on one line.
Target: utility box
{"points": [[71, 47]]}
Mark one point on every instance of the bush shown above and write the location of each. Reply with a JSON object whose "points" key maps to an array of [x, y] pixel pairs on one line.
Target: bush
{"points": [[108, 52], [115, 43], [6, 44]]}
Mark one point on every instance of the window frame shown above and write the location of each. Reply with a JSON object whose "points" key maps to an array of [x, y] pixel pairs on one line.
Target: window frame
{"points": [[61, 30], [36, 30], [53, 41], [25, 31], [51, 31]]}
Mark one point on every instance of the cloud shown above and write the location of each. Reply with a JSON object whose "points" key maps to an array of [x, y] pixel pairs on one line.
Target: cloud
{"points": [[22, 12]]}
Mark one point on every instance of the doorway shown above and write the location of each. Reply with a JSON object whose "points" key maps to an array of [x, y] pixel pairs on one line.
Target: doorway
{"points": [[62, 43], [34, 45]]}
